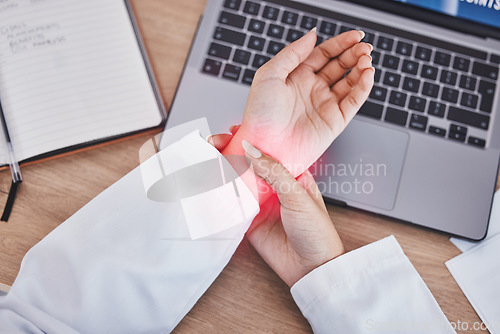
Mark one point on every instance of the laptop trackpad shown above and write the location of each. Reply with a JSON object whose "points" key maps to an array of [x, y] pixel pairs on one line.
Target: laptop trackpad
{"points": [[363, 165]]}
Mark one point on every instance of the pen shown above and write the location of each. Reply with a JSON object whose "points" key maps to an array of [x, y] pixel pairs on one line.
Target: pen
{"points": [[14, 169]]}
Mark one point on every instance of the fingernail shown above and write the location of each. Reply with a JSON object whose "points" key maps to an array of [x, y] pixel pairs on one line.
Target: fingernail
{"points": [[362, 33], [210, 140], [251, 150], [371, 47], [232, 128], [314, 29]]}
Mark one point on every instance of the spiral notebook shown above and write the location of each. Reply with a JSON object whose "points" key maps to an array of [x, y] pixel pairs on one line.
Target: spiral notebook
{"points": [[72, 73]]}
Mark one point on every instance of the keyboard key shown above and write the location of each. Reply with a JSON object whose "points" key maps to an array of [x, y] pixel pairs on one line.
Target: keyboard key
{"points": [[458, 128], [448, 77], [418, 122], [495, 59], [467, 82], [487, 71], [327, 28], [378, 93], [398, 98], [391, 62], [345, 29], [404, 48], [417, 103], [212, 67], [410, 67], [385, 43], [319, 40], [392, 79], [275, 31], [430, 89], [219, 51], [248, 77], [260, 60], [467, 117], [487, 91], [436, 109], [375, 57], [396, 116], [229, 36], [256, 43], [231, 72], [469, 100], [232, 4], [274, 47], [371, 109], [477, 142], [241, 57], [461, 64], [308, 22], [411, 84], [449, 94], [423, 53], [378, 75], [369, 38], [429, 72], [251, 8], [437, 131], [442, 58], [234, 20], [457, 136], [270, 13], [256, 26], [290, 18], [294, 35]]}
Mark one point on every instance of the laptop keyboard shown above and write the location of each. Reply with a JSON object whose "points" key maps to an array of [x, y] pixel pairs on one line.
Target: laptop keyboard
{"points": [[423, 84]]}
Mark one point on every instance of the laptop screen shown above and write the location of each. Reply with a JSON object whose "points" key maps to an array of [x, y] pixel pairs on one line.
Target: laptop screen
{"points": [[481, 11]]}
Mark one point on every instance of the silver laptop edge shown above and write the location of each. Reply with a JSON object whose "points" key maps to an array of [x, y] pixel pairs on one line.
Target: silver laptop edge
{"points": [[428, 181]]}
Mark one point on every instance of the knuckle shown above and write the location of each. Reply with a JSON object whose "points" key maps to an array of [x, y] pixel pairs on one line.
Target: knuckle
{"points": [[342, 64], [353, 101]]}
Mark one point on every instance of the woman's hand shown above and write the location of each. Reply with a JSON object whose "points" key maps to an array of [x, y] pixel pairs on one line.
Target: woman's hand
{"points": [[293, 232], [301, 100]]}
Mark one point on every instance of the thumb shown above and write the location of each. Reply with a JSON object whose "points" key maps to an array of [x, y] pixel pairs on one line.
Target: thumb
{"points": [[291, 56], [289, 191]]}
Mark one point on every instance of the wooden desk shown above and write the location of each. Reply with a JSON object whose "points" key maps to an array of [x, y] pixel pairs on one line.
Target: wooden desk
{"points": [[247, 297]]}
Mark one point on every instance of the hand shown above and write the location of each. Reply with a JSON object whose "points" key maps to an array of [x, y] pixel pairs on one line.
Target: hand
{"points": [[293, 232], [300, 100]]}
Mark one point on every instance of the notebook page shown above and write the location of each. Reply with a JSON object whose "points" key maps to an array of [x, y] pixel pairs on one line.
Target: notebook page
{"points": [[71, 71]]}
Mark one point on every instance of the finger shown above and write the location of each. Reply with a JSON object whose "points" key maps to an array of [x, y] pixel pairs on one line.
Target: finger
{"points": [[337, 68], [290, 193], [331, 48], [281, 65], [344, 86], [307, 181], [220, 141], [234, 129], [350, 105]]}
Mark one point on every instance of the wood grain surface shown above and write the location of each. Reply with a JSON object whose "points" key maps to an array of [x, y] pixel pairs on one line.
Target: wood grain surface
{"points": [[247, 297]]}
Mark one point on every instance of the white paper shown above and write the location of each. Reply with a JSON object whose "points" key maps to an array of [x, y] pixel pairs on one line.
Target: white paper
{"points": [[477, 272], [71, 71], [493, 228]]}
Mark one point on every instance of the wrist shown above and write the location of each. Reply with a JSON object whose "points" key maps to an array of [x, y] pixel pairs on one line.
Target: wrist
{"points": [[235, 155]]}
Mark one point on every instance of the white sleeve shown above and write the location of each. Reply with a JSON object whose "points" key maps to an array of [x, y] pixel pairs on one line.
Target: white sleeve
{"points": [[374, 289], [123, 263]]}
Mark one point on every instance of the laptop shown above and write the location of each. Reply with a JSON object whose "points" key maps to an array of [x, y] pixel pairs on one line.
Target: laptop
{"points": [[424, 148]]}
